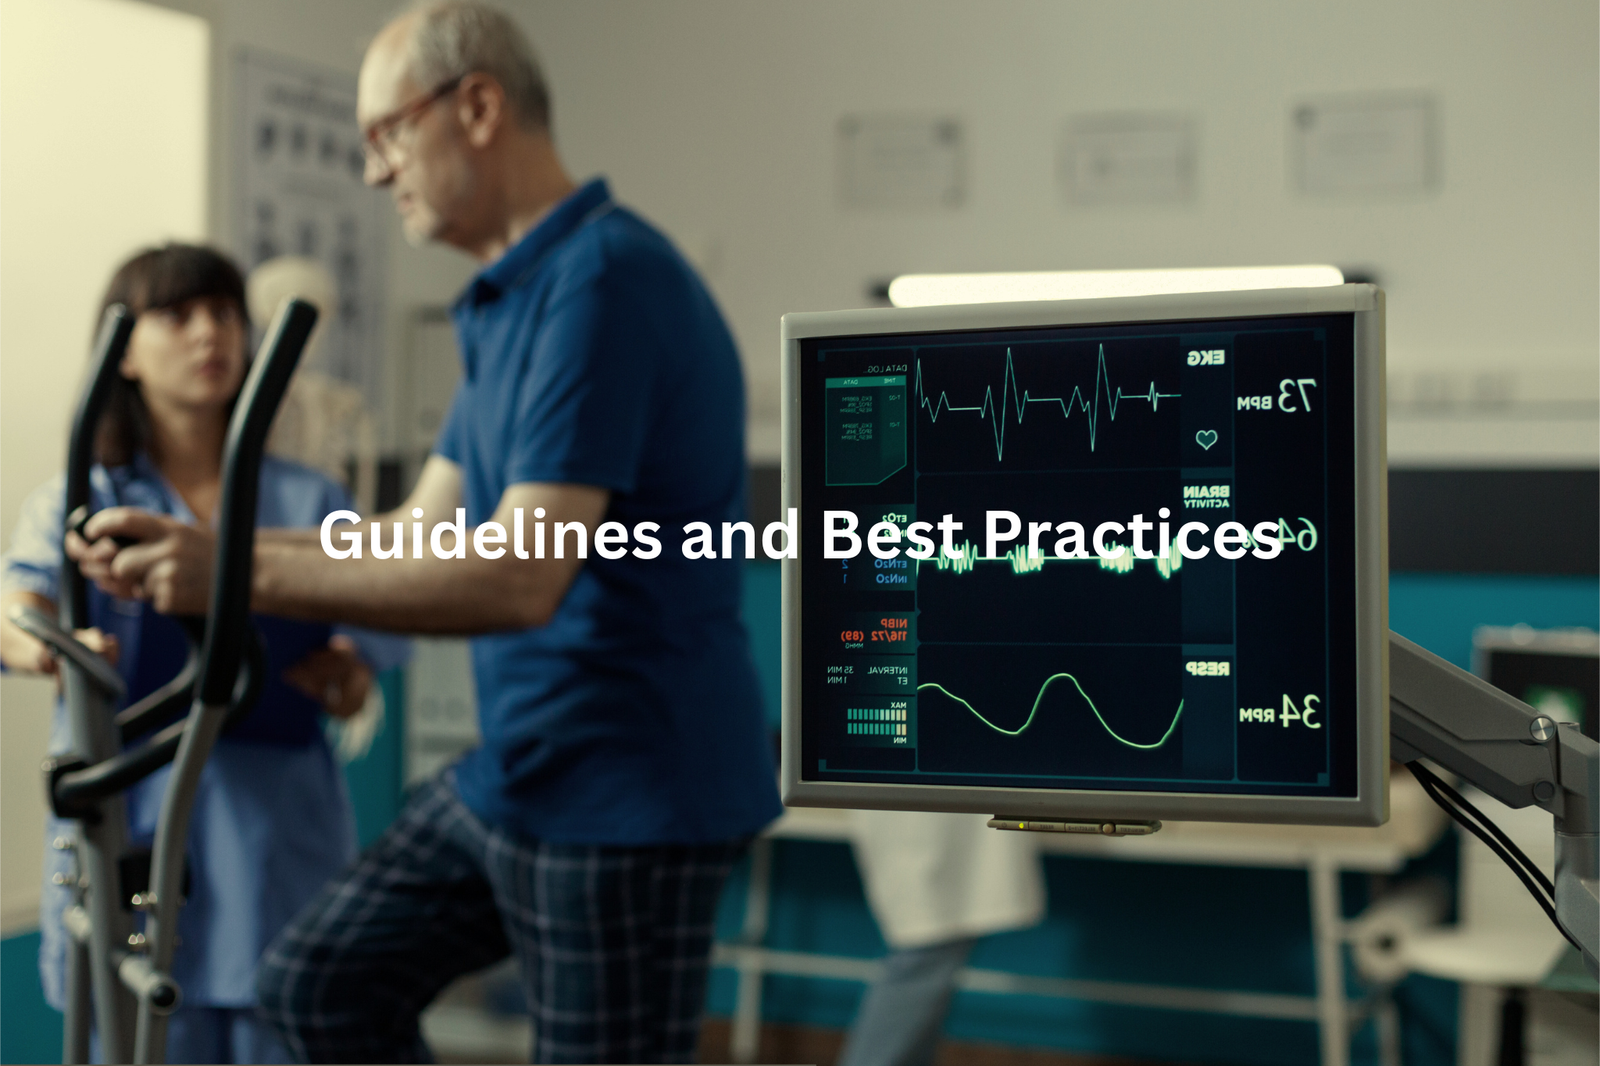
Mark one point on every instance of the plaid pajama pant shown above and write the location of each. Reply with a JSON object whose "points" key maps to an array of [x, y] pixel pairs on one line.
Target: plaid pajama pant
{"points": [[614, 943]]}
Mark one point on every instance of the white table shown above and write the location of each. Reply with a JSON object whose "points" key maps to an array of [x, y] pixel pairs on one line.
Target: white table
{"points": [[1322, 851]]}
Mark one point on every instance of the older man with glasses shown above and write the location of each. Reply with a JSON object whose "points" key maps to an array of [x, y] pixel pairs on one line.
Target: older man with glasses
{"points": [[624, 761]]}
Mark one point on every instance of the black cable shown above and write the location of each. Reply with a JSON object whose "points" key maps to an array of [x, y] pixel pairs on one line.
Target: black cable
{"points": [[1520, 864], [1546, 903], [1428, 780], [1461, 801]]}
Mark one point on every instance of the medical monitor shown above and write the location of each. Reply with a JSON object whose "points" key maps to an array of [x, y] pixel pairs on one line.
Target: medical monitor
{"points": [[1091, 559]]}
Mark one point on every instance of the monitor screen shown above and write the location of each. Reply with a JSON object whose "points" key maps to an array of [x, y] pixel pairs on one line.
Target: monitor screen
{"points": [[1112, 560]]}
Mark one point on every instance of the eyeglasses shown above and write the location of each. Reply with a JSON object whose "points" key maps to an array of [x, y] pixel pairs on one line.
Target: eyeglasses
{"points": [[382, 135]]}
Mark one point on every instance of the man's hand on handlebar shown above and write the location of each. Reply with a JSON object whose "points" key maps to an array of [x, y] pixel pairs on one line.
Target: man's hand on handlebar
{"points": [[169, 567]]}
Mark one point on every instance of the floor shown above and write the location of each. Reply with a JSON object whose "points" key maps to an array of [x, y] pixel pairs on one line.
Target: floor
{"points": [[467, 1039], [786, 1044], [463, 1026]]}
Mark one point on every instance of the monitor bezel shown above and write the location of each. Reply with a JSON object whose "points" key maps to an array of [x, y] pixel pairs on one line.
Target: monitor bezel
{"points": [[1370, 804]]}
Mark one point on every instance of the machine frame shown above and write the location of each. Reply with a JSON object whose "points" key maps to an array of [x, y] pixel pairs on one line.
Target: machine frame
{"points": [[119, 978]]}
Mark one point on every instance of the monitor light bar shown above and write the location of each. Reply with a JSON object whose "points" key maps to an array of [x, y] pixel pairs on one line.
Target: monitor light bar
{"points": [[927, 290]]}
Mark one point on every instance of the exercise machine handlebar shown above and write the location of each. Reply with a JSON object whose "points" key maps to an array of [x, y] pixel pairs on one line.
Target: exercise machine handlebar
{"points": [[219, 685], [38, 625], [75, 787], [111, 343], [231, 661], [229, 613]]}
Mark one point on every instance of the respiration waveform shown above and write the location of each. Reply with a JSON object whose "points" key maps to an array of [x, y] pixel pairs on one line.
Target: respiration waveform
{"points": [[1040, 698], [967, 558], [1012, 398]]}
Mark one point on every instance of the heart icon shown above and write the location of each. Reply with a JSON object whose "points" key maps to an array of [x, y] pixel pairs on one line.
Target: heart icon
{"points": [[1206, 438]]}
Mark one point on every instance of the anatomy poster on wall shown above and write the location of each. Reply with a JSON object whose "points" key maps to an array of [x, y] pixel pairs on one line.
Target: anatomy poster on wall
{"points": [[298, 191]]}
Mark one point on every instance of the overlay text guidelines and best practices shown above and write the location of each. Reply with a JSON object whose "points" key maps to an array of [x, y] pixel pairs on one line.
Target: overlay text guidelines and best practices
{"points": [[1004, 531]]}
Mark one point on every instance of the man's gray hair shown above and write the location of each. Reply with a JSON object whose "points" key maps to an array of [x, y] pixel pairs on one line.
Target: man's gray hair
{"points": [[457, 37]]}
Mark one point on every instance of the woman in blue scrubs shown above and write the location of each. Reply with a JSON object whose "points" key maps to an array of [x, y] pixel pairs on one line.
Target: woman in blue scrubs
{"points": [[272, 821]]}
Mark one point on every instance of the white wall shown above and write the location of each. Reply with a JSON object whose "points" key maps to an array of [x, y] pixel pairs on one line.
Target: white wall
{"points": [[717, 118], [102, 149]]}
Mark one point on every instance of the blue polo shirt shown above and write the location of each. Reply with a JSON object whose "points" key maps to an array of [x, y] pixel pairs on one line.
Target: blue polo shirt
{"points": [[593, 355]]}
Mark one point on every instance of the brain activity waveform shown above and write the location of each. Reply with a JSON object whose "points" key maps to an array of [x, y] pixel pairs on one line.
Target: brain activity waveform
{"points": [[1017, 401], [1032, 714], [967, 559]]}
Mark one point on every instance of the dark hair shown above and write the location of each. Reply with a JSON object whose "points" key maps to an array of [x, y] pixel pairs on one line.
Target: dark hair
{"points": [[153, 279]]}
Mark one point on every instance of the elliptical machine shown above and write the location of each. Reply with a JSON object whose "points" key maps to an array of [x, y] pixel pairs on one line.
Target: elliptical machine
{"points": [[119, 976]]}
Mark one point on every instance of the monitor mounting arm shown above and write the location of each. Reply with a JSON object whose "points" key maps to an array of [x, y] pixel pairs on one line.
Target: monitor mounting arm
{"points": [[1515, 754]]}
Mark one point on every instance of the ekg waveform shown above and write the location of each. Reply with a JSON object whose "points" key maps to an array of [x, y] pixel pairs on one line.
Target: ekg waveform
{"points": [[1040, 698], [967, 559], [1013, 398]]}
